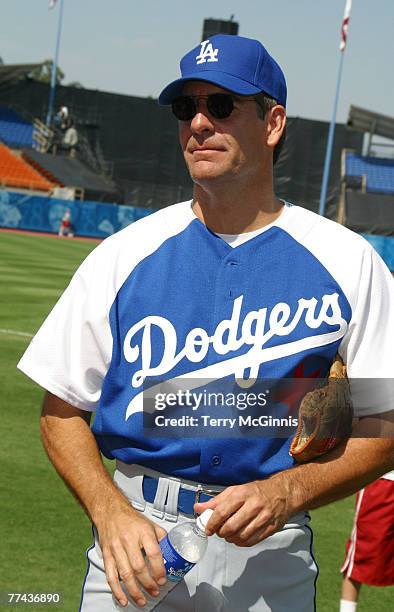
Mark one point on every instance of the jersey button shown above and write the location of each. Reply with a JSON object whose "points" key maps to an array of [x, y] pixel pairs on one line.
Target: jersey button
{"points": [[216, 460]]}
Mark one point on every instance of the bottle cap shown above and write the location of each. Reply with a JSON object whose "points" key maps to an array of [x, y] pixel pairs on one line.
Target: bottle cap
{"points": [[203, 519]]}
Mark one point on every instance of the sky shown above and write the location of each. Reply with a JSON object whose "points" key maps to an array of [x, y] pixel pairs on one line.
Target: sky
{"points": [[133, 47]]}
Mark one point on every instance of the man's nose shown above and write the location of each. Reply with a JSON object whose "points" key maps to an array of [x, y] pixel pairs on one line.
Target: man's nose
{"points": [[201, 121]]}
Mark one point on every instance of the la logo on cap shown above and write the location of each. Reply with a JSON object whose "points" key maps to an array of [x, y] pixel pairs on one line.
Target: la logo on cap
{"points": [[207, 53]]}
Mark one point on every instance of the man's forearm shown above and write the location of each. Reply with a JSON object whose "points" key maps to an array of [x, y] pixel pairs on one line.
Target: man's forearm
{"points": [[73, 451], [344, 470], [122, 531]]}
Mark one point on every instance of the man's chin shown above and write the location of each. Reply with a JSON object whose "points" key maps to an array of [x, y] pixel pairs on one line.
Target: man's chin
{"points": [[207, 172]]}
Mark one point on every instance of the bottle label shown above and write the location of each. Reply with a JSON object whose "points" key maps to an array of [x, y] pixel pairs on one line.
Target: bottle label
{"points": [[176, 566]]}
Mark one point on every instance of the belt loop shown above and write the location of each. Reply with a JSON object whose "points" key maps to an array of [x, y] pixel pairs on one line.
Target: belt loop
{"points": [[138, 501], [171, 507], [160, 498]]}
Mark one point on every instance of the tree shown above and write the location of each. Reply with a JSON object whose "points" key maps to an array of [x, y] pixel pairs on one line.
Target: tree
{"points": [[75, 84], [1, 61], [43, 73]]}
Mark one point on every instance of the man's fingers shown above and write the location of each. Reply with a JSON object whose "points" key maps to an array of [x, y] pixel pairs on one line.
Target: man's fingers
{"points": [[253, 531], [154, 556], [223, 511], [242, 540], [127, 577], [141, 572], [111, 572], [236, 523], [131, 569], [159, 531], [249, 518], [132, 557], [201, 506]]}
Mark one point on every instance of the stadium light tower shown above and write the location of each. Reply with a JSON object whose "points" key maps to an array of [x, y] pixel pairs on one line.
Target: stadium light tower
{"points": [[330, 141], [52, 4], [219, 26]]}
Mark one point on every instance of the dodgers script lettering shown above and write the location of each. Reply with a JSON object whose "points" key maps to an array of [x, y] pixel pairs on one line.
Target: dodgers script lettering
{"points": [[255, 330]]}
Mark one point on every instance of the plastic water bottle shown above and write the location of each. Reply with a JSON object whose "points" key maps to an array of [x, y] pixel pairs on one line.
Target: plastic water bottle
{"points": [[181, 548]]}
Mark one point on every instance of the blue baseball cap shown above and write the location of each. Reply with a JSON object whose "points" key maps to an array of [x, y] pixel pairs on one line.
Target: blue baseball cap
{"points": [[241, 65]]}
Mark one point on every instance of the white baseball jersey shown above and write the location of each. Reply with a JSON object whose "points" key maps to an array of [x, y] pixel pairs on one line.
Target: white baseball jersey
{"points": [[166, 298]]}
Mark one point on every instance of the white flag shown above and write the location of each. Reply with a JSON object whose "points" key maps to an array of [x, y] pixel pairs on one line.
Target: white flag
{"points": [[52, 4], [345, 24]]}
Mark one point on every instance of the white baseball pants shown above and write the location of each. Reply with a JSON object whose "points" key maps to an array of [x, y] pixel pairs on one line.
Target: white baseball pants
{"points": [[278, 574]]}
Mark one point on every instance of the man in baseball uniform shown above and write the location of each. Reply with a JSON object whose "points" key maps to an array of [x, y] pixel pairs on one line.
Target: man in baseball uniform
{"points": [[235, 285]]}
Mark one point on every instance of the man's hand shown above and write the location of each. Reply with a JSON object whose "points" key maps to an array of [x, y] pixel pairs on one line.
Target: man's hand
{"points": [[246, 514], [123, 533]]}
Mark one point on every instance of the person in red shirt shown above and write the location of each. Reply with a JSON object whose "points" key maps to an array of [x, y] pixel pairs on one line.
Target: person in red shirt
{"points": [[370, 548], [65, 228]]}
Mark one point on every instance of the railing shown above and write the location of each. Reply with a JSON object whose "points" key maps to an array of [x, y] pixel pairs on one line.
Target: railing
{"points": [[42, 136]]}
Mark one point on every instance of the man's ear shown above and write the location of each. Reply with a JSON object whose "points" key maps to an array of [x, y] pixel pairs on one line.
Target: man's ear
{"points": [[276, 122]]}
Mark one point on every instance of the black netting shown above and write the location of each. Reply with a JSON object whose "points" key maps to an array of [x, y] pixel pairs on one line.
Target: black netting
{"points": [[137, 140]]}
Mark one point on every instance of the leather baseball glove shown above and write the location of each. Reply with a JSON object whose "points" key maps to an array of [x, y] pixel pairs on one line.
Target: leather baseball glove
{"points": [[324, 417]]}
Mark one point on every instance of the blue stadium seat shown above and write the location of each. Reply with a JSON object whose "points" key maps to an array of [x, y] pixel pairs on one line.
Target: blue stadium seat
{"points": [[379, 172], [14, 130]]}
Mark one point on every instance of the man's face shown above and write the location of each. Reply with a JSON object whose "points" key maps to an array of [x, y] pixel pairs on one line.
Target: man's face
{"points": [[217, 149]]}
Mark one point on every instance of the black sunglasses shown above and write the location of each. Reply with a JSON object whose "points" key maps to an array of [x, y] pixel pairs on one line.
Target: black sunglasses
{"points": [[219, 105]]}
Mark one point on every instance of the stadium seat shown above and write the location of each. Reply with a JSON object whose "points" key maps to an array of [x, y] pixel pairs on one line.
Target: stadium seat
{"points": [[379, 172], [14, 130], [15, 172]]}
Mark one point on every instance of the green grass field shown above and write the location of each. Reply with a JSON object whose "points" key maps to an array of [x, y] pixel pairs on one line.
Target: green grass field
{"points": [[43, 531]]}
